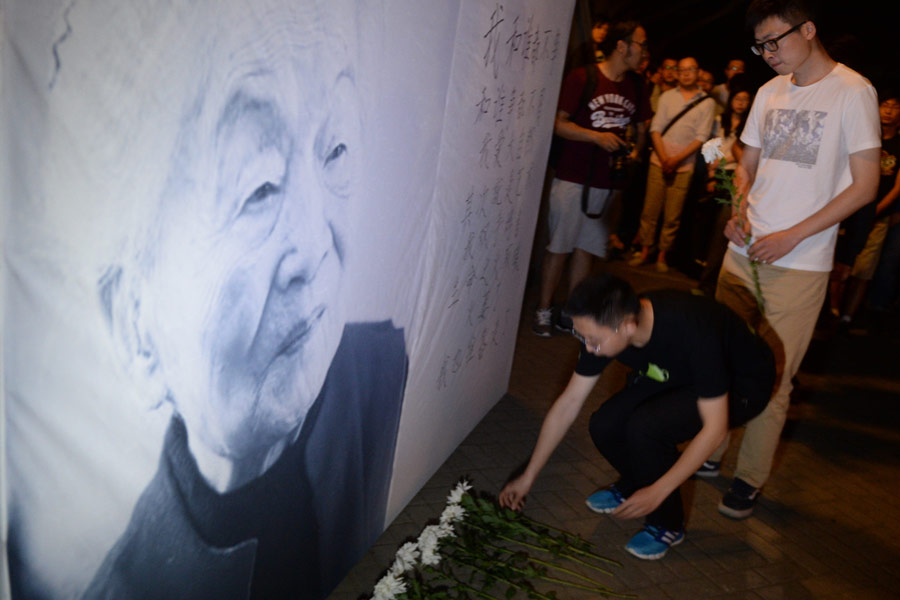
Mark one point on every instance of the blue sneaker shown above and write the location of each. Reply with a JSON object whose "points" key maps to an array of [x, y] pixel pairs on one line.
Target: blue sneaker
{"points": [[605, 501], [652, 542]]}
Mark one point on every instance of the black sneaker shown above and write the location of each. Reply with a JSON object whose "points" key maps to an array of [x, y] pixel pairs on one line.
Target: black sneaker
{"points": [[739, 500], [542, 323], [709, 468], [564, 323]]}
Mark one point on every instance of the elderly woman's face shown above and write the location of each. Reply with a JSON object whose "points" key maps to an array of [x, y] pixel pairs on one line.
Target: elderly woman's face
{"points": [[248, 271]]}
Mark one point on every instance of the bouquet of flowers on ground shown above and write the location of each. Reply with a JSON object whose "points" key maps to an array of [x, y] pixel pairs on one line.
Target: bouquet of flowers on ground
{"points": [[712, 154], [478, 549]]}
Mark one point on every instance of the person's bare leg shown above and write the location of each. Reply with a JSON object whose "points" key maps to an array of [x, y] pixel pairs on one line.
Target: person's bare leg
{"points": [[551, 271], [580, 267]]}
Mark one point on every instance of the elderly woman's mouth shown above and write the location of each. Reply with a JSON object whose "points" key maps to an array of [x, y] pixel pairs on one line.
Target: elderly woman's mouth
{"points": [[300, 332]]}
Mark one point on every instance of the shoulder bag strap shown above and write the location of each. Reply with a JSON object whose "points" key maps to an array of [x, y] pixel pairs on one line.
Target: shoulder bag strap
{"points": [[684, 110]]}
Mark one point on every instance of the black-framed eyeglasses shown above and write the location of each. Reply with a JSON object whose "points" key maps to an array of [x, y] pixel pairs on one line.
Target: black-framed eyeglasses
{"points": [[772, 45], [644, 45], [581, 339], [590, 348]]}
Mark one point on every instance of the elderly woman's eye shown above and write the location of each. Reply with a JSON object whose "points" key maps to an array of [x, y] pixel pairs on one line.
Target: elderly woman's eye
{"points": [[336, 153], [336, 169], [259, 195]]}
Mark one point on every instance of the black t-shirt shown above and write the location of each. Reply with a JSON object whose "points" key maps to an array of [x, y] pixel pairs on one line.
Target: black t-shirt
{"points": [[890, 160], [854, 230], [696, 342]]}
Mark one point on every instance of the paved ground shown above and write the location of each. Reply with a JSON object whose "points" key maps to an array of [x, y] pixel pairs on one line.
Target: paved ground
{"points": [[828, 524]]}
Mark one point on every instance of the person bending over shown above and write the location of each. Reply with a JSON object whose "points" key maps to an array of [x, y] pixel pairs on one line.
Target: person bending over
{"points": [[698, 370]]}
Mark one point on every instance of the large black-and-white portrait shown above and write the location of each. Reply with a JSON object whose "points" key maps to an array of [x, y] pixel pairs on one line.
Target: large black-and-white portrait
{"points": [[263, 266], [192, 176]]}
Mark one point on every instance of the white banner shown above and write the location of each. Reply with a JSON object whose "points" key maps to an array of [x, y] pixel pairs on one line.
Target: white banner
{"points": [[263, 269], [501, 103]]}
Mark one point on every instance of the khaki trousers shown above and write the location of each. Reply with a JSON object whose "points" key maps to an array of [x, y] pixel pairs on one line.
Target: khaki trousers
{"points": [[666, 197], [793, 299]]}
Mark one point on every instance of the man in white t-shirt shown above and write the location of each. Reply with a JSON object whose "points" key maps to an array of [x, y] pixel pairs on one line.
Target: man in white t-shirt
{"points": [[811, 158]]}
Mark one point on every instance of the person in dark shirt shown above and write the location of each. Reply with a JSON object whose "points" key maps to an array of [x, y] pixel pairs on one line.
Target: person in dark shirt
{"points": [[865, 254], [598, 106], [698, 370]]}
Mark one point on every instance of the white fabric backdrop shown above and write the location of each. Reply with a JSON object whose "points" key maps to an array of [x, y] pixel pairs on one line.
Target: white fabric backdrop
{"points": [[501, 101], [450, 118]]}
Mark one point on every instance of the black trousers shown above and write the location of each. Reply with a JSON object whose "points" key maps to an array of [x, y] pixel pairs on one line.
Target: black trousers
{"points": [[638, 430]]}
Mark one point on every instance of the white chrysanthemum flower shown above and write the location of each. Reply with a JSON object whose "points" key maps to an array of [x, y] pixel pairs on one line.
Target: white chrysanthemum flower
{"points": [[446, 530], [712, 150], [430, 558], [388, 587], [428, 545], [437, 531], [452, 514], [428, 539], [456, 495], [405, 560]]}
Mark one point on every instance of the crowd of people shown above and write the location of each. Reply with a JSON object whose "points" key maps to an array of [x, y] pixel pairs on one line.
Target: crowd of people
{"points": [[663, 206], [812, 209]]}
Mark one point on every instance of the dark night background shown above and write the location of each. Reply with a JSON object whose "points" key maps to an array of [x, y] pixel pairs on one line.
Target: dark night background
{"points": [[862, 34]]}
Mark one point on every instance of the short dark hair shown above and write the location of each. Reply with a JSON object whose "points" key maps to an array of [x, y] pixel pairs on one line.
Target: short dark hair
{"points": [[605, 298], [617, 31], [792, 12], [740, 82], [888, 94]]}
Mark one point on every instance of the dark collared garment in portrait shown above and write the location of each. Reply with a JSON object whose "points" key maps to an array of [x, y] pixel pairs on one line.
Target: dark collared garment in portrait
{"points": [[295, 531]]}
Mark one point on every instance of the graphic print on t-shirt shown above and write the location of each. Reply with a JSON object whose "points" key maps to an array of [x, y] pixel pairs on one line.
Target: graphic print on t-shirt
{"points": [[793, 135], [888, 164], [611, 111], [655, 372]]}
